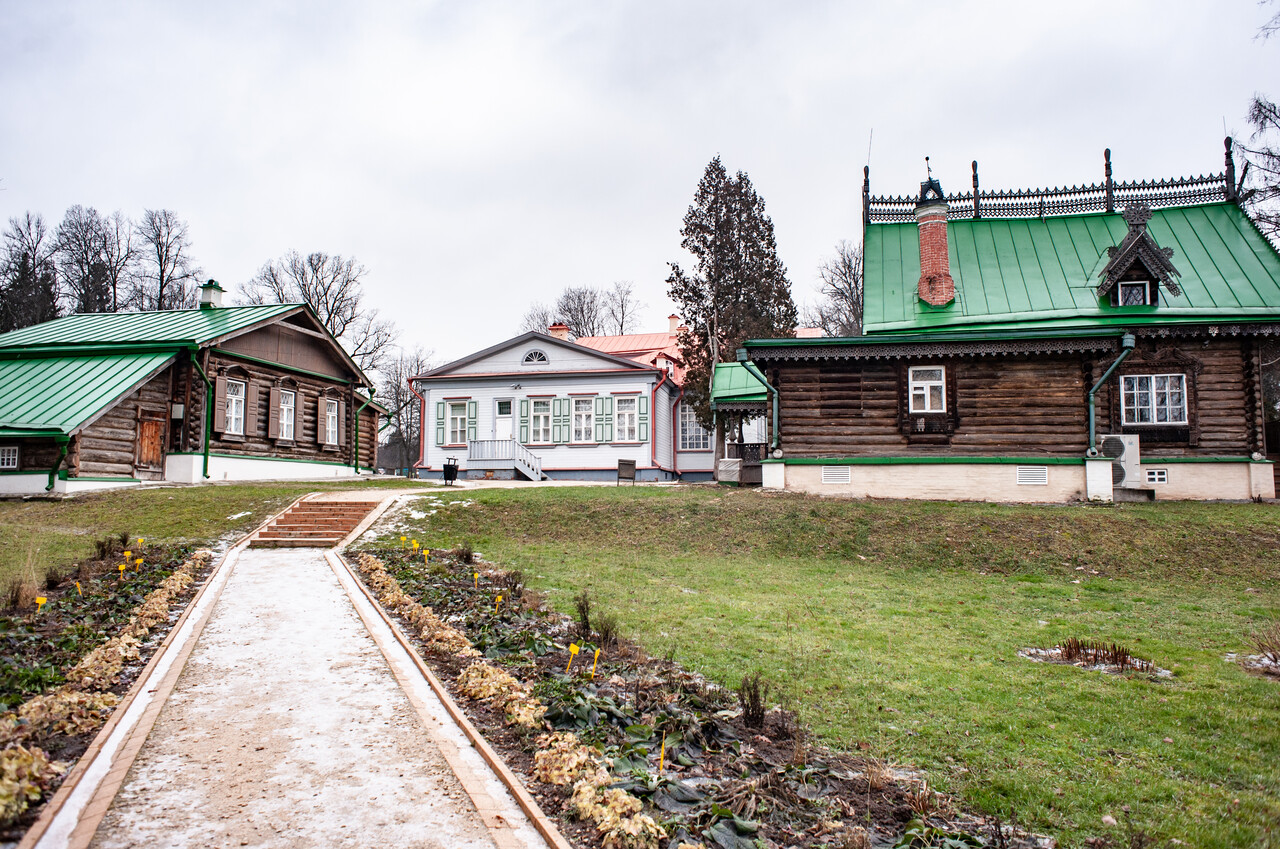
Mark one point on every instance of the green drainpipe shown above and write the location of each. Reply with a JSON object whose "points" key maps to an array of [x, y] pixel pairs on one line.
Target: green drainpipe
{"points": [[62, 441], [1127, 343], [755, 372], [369, 401], [208, 407]]}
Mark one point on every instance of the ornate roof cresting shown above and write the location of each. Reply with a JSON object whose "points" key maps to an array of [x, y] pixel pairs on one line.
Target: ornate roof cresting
{"points": [[1139, 246]]}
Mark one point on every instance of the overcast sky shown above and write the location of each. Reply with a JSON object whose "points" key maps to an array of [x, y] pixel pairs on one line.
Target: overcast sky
{"points": [[478, 156]]}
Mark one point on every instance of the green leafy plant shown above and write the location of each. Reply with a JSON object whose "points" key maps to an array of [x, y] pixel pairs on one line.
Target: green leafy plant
{"points": [[920, 835]]}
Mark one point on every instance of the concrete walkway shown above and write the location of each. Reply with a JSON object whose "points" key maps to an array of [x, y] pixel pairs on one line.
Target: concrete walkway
{"points": [[288, 728]]}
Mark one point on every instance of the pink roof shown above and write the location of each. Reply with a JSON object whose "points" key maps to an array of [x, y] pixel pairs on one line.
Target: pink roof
{"points": [[641, 347]]}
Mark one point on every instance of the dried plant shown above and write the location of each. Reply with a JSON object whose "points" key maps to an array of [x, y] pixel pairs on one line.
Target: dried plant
{"points": [[1266, 642], [104, 548], [464, 553], [922, 800], [879, 776], [513, 583], [855, 837], [123, 537], [1097, 653], [23, 587], [582, 605], [607, 629], [751, 696]]}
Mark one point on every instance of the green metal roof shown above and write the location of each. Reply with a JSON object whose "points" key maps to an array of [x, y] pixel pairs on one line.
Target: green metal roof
{"points": [[47, 396], [1026, 273], [169, 327], [732, 383]]}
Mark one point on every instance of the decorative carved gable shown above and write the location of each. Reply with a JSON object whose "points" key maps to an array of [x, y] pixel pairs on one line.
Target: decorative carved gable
{"points": [[1138, 248]]}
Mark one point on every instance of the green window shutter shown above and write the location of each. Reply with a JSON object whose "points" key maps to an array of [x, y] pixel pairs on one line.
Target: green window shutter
{"points": [[599, 419], [604, 417], [642, 418], [471, 420], [440, 423], [524, 421], [564, 419]]}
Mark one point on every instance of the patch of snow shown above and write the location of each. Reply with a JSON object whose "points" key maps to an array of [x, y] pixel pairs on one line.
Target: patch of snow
{"points": [[1256, 662], [241, 515], [1054, 655]]}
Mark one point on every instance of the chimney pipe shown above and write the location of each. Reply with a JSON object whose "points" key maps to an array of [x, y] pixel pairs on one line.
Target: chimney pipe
{"points": [[936, 286], [673, 323], [211, 295], [559, 331]]}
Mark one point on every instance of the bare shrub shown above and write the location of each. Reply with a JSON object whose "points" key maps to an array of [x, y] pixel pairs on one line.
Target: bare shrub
{"points": [[1266, 642], [464, 553], [607, 630], [23, 587], [751, 696], [1097, 653], [57, 575], [879, 776], [513, 583], [921, 799], [582, 606], [123, 537]]}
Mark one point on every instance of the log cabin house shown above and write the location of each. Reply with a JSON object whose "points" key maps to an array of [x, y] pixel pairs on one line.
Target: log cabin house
{"points": [[1093, 343], [219, 393]]}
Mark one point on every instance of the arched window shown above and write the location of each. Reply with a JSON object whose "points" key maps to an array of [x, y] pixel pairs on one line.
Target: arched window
{"points": [[535, 358]]}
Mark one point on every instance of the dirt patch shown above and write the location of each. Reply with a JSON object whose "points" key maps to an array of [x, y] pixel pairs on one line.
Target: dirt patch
{"points": [[650, 729]]}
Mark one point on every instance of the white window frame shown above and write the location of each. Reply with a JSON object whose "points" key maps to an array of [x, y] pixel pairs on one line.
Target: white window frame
{"points": [[540, 421], [1142, 399], [1133, 284], [922, 385], [626, 419], [330, 422], [235, 406], [456, 413], [288, 408], [584, 419], [1157, 475], [693, 436], [535, 358], [8, 458]]}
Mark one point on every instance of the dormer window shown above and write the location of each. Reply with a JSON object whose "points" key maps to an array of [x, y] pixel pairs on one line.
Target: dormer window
{"points": [[1134, 293], [535, 358], [1138, 266]]}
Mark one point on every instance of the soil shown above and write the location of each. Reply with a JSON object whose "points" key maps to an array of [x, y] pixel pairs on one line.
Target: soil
{"points": [[42, 646], [768, 783]]}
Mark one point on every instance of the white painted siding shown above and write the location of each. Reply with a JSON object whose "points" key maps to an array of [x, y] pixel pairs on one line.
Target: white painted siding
{"points": [[666, 397], [561, 357]]}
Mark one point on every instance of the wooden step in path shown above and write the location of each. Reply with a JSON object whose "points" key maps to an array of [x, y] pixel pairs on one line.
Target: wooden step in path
{"points": [[313, 524]]}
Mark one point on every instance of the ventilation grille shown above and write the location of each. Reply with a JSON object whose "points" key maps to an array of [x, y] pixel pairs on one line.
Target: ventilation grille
{"points": [[1033, 476], [837, 474]]}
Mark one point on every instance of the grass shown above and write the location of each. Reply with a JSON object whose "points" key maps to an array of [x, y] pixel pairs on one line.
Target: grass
{"points": [[57, 534], [897, 625]]}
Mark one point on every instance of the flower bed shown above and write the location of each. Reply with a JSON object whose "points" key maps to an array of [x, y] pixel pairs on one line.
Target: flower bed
{"points": [[626, 750], [67, 664]]}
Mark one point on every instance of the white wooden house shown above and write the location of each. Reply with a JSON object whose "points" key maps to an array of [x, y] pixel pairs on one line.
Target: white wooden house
{"points": [[540, 406]]}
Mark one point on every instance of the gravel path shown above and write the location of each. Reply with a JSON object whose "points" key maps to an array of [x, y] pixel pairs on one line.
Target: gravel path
{"points": [[287, 728]]}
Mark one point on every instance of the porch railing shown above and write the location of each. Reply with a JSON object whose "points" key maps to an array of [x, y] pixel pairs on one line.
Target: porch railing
{"points": [[508, 450]]}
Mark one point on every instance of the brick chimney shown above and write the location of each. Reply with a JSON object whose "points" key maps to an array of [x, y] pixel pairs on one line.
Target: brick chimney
{"points": [[560, 331], [936, 286]]}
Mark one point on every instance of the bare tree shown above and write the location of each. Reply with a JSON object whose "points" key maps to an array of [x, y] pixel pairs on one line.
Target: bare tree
{"points": [[538, 318], [1261, 175], [332, 286], [169, 275], [120, 256], [81, 261], [582, 309], [621, 308], [840, 311], [28, 274], [403, 434]]}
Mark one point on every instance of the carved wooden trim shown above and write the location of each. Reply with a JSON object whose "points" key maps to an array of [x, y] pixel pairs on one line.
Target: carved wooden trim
{"points": [[1166, 360], [928, 428]]}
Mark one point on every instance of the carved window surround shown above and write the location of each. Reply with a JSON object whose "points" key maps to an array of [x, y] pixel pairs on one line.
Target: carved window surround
{"points": [[1168, 360]]}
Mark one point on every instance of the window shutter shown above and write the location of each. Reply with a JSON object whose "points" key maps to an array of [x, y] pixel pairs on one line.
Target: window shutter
{"points": [[524, 421], [599, 419], [440, 423], [250, 409], [604, 420], [471, 420], [298, 417], [562, 419], [219, 404], [273, 413], [342, 422], [322, 421], [642, 418]]}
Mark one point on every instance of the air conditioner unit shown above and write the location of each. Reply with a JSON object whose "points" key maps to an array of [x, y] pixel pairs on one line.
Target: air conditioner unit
{"points": [[1126, 466], [729, 470]]}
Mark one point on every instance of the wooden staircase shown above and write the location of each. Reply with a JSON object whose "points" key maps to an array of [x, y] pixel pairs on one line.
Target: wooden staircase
{"points": [[313, 524]]}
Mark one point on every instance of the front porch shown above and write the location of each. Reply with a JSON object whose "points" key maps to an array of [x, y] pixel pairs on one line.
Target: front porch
{"points": [[503, 455]]}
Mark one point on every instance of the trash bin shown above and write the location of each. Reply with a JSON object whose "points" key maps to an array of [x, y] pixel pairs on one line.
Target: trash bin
{"points": [[450, 470]]}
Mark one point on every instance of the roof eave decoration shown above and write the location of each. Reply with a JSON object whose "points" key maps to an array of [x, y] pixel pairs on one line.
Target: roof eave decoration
{"points": [[1139, 246]]}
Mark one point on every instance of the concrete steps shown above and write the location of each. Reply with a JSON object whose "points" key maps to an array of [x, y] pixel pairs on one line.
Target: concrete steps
{"points": [[313, 524]]}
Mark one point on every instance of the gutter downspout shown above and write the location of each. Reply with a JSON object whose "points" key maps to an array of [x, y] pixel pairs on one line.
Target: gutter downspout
{"points": [[62, 441], [422, 427], [653, 426], [369, 401], [1127, 343], [755, 372], [208, 408]]}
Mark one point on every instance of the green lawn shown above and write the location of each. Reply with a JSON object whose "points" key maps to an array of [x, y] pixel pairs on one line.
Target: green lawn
{"points": [[50, 534], [898, 624]]}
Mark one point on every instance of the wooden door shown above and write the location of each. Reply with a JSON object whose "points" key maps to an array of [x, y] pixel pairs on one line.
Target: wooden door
{"points": [[149, 461]]}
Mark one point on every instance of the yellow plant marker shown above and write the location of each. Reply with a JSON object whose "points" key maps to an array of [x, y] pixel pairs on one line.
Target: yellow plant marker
{"points": [[573, 652], [78, 590], [402, 540], [477, 577], [137, 565], [121, 567], [415, 545], [128, 554], [139, 542], [426, 556], [662, 755], [40, 600], [593, 665]]}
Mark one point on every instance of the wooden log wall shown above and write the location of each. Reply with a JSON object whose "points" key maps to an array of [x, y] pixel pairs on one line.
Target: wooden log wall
{"points": [[35, 455], [108, 446]]}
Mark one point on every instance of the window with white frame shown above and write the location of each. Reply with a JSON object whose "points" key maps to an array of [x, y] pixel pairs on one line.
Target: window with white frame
{"points": [[535, 358], [927, 386], [457, 422], [235, 407], [582, 420], [330, 422], [1134, 293], [1154, 399], [287, 401], [693, 436], [540, 422], [625, 427], [8, 457]]}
